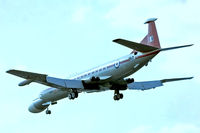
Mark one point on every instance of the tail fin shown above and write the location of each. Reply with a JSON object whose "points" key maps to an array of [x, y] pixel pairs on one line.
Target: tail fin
{"points": [[151, 38]]}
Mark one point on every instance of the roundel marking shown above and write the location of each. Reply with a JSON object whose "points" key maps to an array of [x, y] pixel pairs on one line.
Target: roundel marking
{"points": [[117, 64]]}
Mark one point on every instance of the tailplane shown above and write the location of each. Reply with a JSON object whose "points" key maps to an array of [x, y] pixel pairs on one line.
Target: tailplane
{"points": [[150, 43], [151, 39]]}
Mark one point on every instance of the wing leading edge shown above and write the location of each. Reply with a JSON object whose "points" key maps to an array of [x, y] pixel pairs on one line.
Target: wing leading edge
{"points": [[152, 84]]}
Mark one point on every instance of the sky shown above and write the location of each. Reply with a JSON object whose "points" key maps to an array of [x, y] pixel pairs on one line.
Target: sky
{"points": [[61, 38]]}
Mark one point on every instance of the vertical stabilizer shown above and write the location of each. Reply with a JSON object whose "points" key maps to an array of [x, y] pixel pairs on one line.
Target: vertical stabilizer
{"points": [[151, 38]]}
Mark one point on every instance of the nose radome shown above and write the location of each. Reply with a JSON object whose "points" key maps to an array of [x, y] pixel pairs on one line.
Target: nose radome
{"points": [[37, 106], [32, 109]]}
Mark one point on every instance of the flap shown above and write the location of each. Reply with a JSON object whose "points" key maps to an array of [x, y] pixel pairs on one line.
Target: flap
{"points": [[152, 84], [144, 85], [66, 83]]}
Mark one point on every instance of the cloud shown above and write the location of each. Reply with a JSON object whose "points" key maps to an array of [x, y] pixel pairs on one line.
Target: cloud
{"points": [[141, 129], [181, 128], [80, 14], [183, 62], [177, 128], [128, 13]]}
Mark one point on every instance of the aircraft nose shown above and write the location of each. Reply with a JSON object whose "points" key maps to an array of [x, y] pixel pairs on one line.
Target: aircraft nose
{"points": [[37, 106], [31, 108]]}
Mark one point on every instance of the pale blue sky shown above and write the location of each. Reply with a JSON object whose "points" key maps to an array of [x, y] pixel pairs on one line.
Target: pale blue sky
{"points": [[61, 38]]}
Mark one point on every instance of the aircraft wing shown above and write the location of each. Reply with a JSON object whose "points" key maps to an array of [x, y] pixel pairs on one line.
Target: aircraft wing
{"points": [[56, 82], [146, 85], [46, 80]]}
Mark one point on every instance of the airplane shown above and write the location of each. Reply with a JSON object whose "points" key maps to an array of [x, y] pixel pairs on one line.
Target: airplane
{"points": [[110, 76]]}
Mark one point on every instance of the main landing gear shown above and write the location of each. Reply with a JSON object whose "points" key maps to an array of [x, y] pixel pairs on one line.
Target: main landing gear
{"points": [[117, 95], [73, 95], [48, 112]]}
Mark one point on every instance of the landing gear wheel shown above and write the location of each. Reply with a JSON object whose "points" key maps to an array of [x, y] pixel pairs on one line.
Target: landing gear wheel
{"points": [[48, 112], [73, 95], [76, 94], [118, 96], [121, 96], [69, 96], [115, 97]]}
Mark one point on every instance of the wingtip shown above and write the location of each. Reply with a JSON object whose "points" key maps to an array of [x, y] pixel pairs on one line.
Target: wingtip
{"points": [[190, 77], [190, 45], [116, 40], [8, 71], [187, 78]]}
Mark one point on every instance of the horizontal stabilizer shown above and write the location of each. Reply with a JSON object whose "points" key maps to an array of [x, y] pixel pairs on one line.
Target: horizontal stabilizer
{"points": [[135, 46], [170, 48], [152, 84]]}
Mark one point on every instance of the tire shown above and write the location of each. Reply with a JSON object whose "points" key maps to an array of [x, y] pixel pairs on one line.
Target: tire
{"points": [[73, 95], [76, 94], [121, 96], [48, 112], [115, 97], [118, 96], [69, 96]]}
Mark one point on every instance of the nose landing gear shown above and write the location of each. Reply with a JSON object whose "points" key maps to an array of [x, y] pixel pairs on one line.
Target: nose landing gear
{"points": [[48, 112]]}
